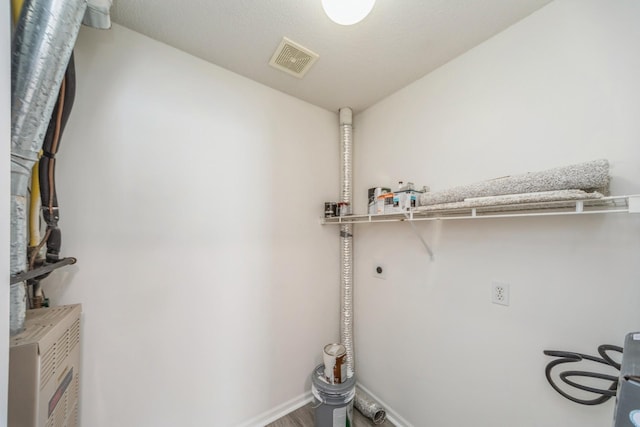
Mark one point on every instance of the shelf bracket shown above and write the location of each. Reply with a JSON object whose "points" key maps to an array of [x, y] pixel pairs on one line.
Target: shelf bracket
{"points": [[36, 272], [415, 230]]}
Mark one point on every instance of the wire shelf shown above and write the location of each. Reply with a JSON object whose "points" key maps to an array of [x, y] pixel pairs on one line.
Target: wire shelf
{"points": [[613, 204]]}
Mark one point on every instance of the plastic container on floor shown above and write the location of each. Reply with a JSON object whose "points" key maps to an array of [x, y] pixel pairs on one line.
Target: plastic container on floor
{"points": [[332, 403]]}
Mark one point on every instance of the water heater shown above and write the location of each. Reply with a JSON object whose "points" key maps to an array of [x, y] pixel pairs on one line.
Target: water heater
{"points": [[44, 369]]}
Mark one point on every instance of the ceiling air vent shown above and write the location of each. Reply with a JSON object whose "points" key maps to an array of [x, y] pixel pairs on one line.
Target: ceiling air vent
{"points": [[292, 58]]}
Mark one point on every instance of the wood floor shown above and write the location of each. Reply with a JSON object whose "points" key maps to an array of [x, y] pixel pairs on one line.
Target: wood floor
{"points": [[303, 417]]}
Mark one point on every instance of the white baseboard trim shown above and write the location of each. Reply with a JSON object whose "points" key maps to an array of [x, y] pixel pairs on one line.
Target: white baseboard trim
{"points": [[279, 411], [298, 402], [393, 417]]}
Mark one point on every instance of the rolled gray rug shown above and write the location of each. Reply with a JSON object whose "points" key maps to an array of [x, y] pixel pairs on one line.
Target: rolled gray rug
{"points": [[593, 175]]}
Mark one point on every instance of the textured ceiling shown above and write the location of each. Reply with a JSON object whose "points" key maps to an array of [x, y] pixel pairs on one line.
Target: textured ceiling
{"points": [[399, 42]]}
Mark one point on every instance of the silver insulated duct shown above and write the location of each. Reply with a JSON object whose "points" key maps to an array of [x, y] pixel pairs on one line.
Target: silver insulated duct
{"points": [[369, 407], [346, 237], [363, 402], [41, 47], [98, 14]]}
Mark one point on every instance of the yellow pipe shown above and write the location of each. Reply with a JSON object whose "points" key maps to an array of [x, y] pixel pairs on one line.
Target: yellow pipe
{"points": [[34, 207], [16, 7]]}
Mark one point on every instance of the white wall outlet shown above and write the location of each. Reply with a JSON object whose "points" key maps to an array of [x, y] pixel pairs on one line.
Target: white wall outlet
{"points": [[379, 271], [500, 293]]}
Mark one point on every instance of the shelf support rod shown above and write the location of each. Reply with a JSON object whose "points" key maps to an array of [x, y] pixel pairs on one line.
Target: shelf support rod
{"points": [[36, 272], [415, 230]]}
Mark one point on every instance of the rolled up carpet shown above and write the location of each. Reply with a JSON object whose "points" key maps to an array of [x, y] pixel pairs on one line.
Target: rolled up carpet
{"points": [[515, 199], [588, 176]]}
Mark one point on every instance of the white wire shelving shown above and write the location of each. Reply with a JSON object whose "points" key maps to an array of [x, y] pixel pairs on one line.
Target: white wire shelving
{"points": [[605, 205]]}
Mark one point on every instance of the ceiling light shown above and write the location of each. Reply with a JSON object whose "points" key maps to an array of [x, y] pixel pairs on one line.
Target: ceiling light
{"points": [[347, 12]]}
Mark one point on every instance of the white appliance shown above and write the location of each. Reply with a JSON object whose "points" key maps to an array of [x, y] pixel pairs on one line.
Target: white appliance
{"points": [[627, 412], [44, 369]]}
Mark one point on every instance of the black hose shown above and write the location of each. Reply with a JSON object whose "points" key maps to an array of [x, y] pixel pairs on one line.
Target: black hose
{"points": [[570, 357], [566, 374], [602, 350]]}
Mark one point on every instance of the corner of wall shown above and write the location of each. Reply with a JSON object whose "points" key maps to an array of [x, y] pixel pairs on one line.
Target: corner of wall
{"points": [[5, 133]]}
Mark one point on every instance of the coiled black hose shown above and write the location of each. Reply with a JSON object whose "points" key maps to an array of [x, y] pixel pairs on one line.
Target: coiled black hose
{"points": [[570, 357]]}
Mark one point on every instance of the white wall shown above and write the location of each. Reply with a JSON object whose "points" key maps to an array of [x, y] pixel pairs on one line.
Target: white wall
{"points": [[558, 88], [5, 177], [191, 197]]}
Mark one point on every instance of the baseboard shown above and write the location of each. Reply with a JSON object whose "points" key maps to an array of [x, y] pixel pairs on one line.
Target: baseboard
{"points": [[393, 417], [279, 411], [298, 402]]}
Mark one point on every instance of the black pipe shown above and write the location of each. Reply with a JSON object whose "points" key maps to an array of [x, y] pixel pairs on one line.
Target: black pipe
{"points": [[47, 164]]}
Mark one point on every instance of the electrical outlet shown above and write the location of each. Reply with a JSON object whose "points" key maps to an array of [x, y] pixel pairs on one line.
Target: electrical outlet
{"points": [[379, 271], [500, 293]]}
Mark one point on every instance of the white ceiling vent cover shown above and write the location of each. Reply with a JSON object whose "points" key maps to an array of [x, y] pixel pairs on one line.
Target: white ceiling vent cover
{"points": [[292, 58]]}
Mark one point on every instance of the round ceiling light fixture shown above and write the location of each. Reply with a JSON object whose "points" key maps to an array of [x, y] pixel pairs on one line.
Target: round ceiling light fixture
{"points": [[347, 12]]}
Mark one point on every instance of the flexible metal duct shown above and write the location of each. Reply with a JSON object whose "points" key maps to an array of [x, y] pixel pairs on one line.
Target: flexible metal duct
{"points": [[41, 46], [364, 403], [346, 237], [369, 407], [97, 14]]}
